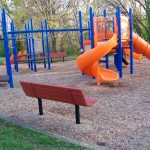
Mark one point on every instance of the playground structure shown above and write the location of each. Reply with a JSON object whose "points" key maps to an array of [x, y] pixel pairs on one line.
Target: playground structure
{"points": [[102, 43], [30, 44], [111, 37]]}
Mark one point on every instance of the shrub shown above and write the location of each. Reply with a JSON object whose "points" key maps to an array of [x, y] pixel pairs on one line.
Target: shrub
{"points": [[21, 45], [72, 50], [2, 53]]}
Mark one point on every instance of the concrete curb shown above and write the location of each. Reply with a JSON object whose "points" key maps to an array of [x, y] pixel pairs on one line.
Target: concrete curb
{"points": [[52, 134]]}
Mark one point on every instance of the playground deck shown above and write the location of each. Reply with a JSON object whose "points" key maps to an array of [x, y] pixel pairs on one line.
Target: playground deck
{"points": [[120, 119]]}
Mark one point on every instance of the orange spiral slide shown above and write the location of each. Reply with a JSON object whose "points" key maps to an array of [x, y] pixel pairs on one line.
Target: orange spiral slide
{"points": [[88, 62], [141, 45]]}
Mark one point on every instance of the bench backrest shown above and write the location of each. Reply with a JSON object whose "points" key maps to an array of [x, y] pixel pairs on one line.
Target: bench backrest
{"points": [[55, 93], [58, 54], [62, 54]]}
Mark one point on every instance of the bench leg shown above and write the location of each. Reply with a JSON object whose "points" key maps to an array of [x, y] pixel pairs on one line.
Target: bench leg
{"points": [[40, 106], [77, 113], [51, 60], [63, 59]]}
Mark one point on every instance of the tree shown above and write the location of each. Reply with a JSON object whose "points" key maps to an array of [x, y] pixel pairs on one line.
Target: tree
{"points": [[141, 14]]}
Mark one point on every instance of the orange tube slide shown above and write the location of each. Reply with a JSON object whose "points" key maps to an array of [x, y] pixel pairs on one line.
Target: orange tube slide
{"points": [[127, 51], [88, 62], [135, 55], [141, 45]]}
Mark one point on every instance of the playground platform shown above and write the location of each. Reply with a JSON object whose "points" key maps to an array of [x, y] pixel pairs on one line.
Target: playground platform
{"points": [[120, 119]]}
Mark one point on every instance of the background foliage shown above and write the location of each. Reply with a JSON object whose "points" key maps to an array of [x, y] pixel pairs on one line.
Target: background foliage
{"points": [[64, 14]]}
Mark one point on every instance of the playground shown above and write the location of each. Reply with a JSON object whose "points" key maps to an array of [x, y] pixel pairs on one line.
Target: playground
{"points": [[118, 120], [111, 75]]}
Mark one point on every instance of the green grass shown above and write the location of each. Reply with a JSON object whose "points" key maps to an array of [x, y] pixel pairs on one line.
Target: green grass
{"points": [[66, 58], [13, 137], [2, 59]]}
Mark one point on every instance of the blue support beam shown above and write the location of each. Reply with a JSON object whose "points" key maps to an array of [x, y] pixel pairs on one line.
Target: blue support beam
{"points": [[14, 45], [47, 45], [6, 47], [27, 43], [50, 30], [92, 27], [131, 42], [89, 33], [33, 46], [43, 46], [81, 34], [107, 56], [119, 42], [30, 44]]}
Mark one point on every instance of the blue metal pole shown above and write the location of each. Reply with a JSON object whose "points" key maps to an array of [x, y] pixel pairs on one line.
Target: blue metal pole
{"points": [[27, 43], [48, 45], [50, 30], [131, 42], [33, 48], [43, 47], [89, 33], [81, 33], [116, 55], [107, 56], [104, 13], [6, 46], [30, 45], [91, 27], [119, 42], [113, 26], [14, 46]]}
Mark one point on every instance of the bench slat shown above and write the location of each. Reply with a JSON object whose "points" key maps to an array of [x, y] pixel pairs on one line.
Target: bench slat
{"points": [[52, 93]]}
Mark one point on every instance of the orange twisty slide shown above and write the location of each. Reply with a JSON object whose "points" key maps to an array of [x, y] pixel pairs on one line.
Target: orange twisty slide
{"points": [[88, 62], [141, 45]]}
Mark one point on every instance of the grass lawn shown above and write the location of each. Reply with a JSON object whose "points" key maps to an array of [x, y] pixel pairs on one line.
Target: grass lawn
{"points": [[2, 59], [66, 58], [13, 137]]}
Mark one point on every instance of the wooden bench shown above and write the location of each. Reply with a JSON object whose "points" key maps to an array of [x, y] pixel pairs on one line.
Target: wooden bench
{"points": [[58, 55], [57, 93]]}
